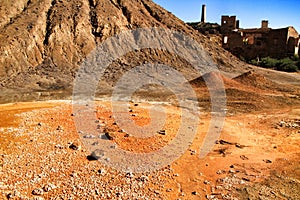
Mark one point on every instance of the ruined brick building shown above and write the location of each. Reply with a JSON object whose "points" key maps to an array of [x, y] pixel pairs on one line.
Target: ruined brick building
{"points": [[258, 42]]}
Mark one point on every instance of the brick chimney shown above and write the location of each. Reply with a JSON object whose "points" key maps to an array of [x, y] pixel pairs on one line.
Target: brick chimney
{"points": [[203, 14], [264, 24]]}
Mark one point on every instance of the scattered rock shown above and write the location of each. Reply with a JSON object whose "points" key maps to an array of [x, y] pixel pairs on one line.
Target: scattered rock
{"points": [[223, 142], [110, 135], [220, 172], [102, 171], [97, 154], [58, 146], [75, 146], [206, 182], [267, 161], [14, 194], [193, 152], [49, 187], [243, 157], [194, 193], [162, 132], [38, 191], [129, 175], [89, 136]]}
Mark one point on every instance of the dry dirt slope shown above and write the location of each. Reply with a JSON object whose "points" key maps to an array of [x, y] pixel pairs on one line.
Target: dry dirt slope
{"points": [[44, 41]]}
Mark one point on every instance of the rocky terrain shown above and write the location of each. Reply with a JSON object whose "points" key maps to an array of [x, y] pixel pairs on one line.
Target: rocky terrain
{"points": [[43, 42], [42, 154]]}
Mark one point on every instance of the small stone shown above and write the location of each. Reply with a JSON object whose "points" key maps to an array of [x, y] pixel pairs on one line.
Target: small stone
{"points": [[246, 179], [156, 191], [206, 182], [58, 146], [102, 171], [232, 171], [95, 155], [75, 146], [37, 198], [59, 128], [13, 194], [194, 193], [143, 178], [39, 124], [231, 166], [267, 161], [89, 136], [136, 104], [38, 191], [243, 157], [162, 132], [127, 135], [49, 187], [193, 152], [110, 136], [129, 175]]}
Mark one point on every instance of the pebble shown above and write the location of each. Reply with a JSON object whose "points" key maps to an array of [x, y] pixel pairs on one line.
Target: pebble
{"points": [[75, 146], [102, 171], [58, 146], [89, 136], [267, 161], [49, 187], [129, 175], [243, 157], [162, 132], [110, 136], [13, 194], [220, 172], [38, 191]]}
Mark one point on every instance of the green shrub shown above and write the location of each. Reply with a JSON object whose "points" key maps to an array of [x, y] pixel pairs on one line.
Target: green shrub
{"points": [[287, 65], [268, 62]]}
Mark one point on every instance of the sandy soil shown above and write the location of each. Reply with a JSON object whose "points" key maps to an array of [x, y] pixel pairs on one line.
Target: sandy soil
{"points": [[42, 156]]}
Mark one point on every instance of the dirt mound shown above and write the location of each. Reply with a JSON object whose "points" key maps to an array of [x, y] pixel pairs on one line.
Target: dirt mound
{"points": [[43, 42], [209, 77], [254, 79], [260, 81]]}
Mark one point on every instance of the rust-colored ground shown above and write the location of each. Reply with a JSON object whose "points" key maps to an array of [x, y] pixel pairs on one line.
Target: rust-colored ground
{"points": [[257, 155]]}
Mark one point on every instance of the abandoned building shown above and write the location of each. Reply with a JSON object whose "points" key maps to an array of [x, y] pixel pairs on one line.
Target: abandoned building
{"points": [[258, 42]]}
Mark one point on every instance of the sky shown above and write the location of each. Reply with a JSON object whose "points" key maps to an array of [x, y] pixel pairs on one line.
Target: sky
{"points": [[279, 13]]}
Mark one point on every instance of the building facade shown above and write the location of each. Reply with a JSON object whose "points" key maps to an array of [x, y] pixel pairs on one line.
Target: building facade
{"points": [[258, 42]]}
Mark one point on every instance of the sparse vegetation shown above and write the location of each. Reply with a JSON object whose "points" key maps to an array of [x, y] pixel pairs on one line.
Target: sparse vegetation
{"points": [[286, 64]]}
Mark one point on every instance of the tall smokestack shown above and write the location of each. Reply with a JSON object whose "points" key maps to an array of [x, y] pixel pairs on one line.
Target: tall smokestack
{"points": [[203, 15]]}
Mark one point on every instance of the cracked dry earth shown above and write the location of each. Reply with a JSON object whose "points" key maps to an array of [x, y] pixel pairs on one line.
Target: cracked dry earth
{"points": [[42, 156]]}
